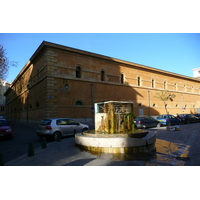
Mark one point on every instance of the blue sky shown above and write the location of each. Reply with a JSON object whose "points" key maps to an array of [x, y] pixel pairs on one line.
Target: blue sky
{"points": [[174, 52]]}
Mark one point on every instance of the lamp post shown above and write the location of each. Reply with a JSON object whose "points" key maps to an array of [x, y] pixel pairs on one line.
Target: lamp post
{"points": [[92, 100], [27, 103], [148, 102]]}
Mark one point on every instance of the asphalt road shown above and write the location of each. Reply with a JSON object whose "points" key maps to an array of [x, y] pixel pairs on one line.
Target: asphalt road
{"points": [[23, 135]]}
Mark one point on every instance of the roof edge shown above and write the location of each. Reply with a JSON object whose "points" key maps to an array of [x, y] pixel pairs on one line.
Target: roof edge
{"points": [[45, 43], [66, 48]]}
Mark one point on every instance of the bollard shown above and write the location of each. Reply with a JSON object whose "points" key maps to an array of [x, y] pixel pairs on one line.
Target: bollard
{"points": [[44, 143], [1, 160], [30, 150]]}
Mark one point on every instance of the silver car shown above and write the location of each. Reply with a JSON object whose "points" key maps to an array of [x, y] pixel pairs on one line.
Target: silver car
{"points": [[60, 127]]}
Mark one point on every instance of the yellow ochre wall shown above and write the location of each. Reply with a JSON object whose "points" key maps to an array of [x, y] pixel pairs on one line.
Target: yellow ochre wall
{"points": [[39, 91]]}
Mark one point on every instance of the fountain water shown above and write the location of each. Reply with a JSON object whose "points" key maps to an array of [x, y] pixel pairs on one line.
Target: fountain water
{"points": [[114, 131]]}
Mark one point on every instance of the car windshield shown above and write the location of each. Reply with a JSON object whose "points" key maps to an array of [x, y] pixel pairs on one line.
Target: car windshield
{"points": [[161, 116], [137, 118], [45, 122], [3, 123]]}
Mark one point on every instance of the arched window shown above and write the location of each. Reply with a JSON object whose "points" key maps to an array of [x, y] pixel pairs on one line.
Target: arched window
{"points": [[165, 85], [37, 104], [2, 108], [78, 72], [122, 79], [38, 74], [79, 103], [102, 75], [139, 83], [152, 83]]}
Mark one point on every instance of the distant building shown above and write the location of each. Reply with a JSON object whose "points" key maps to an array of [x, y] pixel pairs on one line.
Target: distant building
{"points": [[196, 73], [59, 81], [4, 85]]}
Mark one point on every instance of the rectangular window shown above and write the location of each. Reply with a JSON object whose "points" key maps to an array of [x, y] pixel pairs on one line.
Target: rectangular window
{"points": [[102, 75]]}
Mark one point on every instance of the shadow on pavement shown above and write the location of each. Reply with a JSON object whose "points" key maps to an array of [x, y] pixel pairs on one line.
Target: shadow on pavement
{"points": [[79, 162]]}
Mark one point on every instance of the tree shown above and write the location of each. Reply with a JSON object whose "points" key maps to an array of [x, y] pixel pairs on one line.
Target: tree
{"points": [[165, 96], [5, 63]]}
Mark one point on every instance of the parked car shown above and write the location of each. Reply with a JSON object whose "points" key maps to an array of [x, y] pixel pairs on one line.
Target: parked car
{"points": [[198, 116], [165, 119], [145, 122], [189, 118], [6, 130], [60, 126]]}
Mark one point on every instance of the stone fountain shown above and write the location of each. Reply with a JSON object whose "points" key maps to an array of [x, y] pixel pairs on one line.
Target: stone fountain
{"points": [[115, 131]]}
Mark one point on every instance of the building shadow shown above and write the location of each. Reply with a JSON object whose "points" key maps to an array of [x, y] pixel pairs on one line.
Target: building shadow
{"points": [[59, 81]]}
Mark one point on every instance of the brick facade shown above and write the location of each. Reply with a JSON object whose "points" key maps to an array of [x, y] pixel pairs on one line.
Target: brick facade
{"points": [[59, 81]]}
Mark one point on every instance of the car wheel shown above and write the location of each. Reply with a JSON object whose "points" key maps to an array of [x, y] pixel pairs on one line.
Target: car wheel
{"points": [[159, 125], [56, 136], [135, 126], [144, 126], [85, 129]]}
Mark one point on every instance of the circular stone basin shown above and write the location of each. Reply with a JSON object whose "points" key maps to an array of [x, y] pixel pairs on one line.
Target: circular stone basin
{"points": [[139, 141], [137, 134]]}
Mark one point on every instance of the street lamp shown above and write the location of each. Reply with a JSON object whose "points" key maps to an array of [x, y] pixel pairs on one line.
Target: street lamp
{"points": [[66, 87], [171, 96], [27, 102]]}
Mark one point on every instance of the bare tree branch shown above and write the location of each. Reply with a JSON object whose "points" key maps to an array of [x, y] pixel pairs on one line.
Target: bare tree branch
{"points": [[164, 96], [5, 63]]}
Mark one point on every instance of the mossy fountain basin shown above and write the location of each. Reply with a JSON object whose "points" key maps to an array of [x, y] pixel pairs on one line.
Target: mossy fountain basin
{"points": [[130, 142]]}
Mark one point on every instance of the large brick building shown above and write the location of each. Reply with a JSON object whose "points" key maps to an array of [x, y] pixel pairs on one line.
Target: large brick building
{"points": [[59, 81]]}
